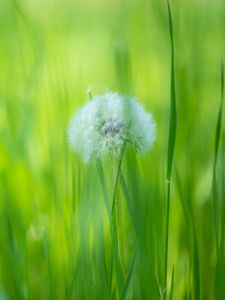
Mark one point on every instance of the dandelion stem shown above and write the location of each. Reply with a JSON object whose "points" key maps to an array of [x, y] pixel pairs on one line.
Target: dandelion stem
{"points": [[104, 189], [128, 200], [119, 272], [112, 218], [117, 177], [107, 204]]}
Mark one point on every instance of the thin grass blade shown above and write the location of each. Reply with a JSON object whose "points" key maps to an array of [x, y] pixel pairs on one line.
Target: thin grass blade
{"points": [[172, 285], [216, 148], [173, 110], [171, 141], [129, 275]]}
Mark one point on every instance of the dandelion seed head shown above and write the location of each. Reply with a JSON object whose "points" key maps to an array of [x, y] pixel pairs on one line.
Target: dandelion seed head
{"points": [[106, 122]]}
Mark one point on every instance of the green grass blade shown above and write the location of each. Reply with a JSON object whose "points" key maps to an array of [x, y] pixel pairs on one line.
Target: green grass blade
{"points": [[220, 266], [172, 285], [113, 219], [47, 261], [117, 178], [217, 141], [104, 189], [173, 110], [128, 201], [167, 235], [129, 275], [171, 141], [45, 245], [220, 270], [222, 242], [119, 271], [196, 267]]}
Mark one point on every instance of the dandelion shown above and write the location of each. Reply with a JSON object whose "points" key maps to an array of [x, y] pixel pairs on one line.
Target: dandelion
{"points": [[107, 122]]}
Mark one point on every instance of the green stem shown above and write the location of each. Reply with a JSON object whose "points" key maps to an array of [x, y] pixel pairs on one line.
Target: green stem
{"points": [[171, 143], [104, 189], [167, 233], [216, 149], [119, 272], [117, 178], [113, 219]]}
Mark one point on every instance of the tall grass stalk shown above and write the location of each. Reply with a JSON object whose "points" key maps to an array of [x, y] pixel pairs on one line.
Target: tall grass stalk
{"points": [[219, 220], [216, 148], [172, 285], [171, 143]]}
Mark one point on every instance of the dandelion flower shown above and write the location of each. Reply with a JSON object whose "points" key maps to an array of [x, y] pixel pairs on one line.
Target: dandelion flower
{"points": [[107, 122]]}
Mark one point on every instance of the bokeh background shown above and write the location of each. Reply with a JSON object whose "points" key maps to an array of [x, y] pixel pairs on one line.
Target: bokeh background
{"points": [[54, 231]]}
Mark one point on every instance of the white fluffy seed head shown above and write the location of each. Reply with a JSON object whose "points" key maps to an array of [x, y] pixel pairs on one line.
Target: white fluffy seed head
{"points": [[106, 122]]}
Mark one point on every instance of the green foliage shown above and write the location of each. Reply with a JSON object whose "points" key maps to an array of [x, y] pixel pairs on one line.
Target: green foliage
{"points": [[59, 236]]}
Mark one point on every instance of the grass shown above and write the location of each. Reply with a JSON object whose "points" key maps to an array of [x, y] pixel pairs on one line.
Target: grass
{"points": [[171, 142], [144, 227], [219, 289], [217, 140]]}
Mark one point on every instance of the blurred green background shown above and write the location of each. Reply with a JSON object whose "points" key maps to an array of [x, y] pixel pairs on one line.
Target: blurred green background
{"points": [[54, 232]]}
